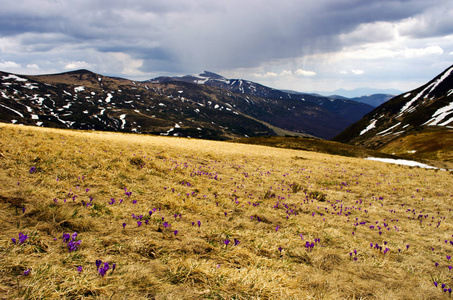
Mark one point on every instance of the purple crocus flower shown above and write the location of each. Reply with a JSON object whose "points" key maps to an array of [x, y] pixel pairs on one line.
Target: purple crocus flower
{"points": [[14, 241], [199, 223], [435, 283], [98, 263], [226, 242], [139, 223], [175, 232], [79, 269], [124, 225], [22, 238], [236, 241], [26, 272]]}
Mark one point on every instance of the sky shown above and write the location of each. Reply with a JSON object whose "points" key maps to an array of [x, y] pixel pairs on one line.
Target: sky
{"points": [[301, 45]]}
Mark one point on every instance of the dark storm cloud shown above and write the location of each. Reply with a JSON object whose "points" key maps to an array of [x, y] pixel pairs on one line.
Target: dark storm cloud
{"points": [[188, 36]]}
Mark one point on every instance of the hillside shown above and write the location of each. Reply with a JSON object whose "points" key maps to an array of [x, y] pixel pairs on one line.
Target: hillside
{"points": [[343, 110], [86, 100], [103, 215], [425, 109]]}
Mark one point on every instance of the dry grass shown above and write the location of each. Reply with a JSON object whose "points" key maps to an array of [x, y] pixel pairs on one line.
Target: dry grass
{"points": [[236, 191]]}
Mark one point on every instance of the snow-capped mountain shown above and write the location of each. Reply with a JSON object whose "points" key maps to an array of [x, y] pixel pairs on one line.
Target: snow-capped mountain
{"points": [[344, 108], [223, 109], [430, 105]]}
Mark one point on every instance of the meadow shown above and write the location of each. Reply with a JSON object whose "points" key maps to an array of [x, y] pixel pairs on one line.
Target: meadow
{"points": [[97, 215]]}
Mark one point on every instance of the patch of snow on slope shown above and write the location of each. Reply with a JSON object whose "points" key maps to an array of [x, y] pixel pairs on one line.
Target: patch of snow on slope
{"points": [[388, 129], [4, 95], [401, 162], [407, 95], [440, 114], [31, 86], [109, 97], [442, 78], [79, 89], [13, 110], [17, 78], [369, 127], [410, 102], [123, 120]]}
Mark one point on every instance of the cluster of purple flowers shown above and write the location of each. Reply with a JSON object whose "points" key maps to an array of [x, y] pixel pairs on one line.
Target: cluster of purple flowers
{"points": [[32, 170], [227, 242], [22, 238], [355, 255], [310, 246], [71, 241], [102, 270], [449, 290]]}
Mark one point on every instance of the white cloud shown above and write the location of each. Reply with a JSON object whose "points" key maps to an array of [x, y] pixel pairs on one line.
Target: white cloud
{"points": [[301, 72], [77, 65], [357, 72], [9, 65], [286, 73], [266, 75], [33, 66]]}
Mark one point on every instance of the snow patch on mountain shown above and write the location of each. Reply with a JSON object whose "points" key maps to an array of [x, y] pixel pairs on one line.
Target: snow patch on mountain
{"points": [[388, 129], [369, 127], [13, 110], [440, 115]]}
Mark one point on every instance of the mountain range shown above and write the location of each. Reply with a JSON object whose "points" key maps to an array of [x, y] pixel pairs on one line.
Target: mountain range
{"points": [[205, 106]]}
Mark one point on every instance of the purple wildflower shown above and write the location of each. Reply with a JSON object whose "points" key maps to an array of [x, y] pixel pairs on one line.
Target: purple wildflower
{"points": [[98, 263], [26, 272], [79, 269], [22, 238], [226, 242]]}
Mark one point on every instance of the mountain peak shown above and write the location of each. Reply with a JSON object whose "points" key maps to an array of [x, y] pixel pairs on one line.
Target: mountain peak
{"points": [[211, 75]]}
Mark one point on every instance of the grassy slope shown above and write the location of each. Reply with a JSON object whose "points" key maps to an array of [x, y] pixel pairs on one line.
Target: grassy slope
{"points": [[433, 145], [319, 196]]}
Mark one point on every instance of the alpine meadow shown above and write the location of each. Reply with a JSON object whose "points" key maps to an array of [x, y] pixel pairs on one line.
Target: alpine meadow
{"points": [[105, 215]]}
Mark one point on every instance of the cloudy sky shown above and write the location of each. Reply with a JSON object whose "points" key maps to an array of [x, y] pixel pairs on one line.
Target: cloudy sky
{"points": [[303, 45]]}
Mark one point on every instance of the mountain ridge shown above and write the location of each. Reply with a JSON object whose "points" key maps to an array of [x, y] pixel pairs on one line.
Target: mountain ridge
{"points": [[82, 99]]}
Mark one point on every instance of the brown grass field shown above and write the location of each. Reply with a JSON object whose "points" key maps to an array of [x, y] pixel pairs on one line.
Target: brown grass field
{"points": [[299, 223]]}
